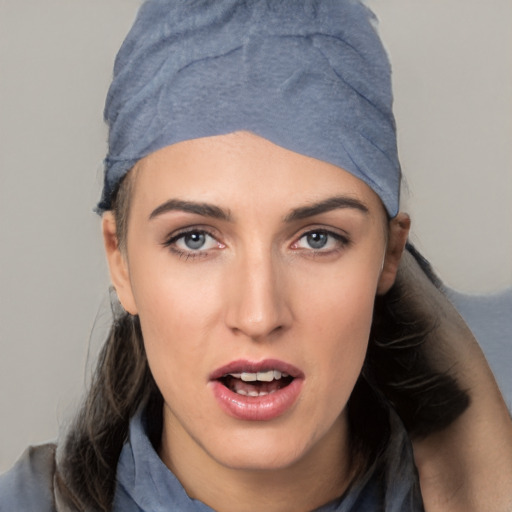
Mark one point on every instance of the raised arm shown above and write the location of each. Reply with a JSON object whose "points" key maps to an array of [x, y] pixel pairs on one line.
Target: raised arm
{"points": [[467, 465]]}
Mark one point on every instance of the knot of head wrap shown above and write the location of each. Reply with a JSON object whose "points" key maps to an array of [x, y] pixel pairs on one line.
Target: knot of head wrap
{"points": [[309, 75]]}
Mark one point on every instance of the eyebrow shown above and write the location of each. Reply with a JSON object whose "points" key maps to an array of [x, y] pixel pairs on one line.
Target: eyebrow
{"points": [[329, 204], [302, 212], [203, 209]]}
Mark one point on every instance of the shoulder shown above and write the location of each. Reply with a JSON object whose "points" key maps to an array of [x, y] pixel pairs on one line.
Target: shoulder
{"points": [[28, 486]]}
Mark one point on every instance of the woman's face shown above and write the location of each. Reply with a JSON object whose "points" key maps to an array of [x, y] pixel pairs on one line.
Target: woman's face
{"points": [[247, 261]]}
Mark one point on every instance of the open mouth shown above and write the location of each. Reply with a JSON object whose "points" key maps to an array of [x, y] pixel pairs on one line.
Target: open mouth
{"points": [[256, 384], [257, 390]]}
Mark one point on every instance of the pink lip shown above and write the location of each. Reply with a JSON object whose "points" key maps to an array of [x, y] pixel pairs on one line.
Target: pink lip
{"points": [[257, 408]]}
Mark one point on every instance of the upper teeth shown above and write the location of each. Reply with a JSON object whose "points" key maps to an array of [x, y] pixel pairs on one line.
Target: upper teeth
{"points": [[267, 376]]}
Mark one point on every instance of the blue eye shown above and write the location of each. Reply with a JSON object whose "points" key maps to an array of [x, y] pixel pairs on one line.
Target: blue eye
{"points": [[320, 240], [192, 242], [317, 240]]}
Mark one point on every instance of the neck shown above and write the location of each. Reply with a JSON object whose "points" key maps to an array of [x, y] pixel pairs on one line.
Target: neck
{"points": [[318, 477]]}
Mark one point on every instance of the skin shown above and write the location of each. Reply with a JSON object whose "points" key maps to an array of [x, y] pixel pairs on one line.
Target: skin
{"points": [[257, 289]]}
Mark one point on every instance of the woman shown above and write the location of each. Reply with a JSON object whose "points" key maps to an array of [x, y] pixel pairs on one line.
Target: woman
{"points": [[250, 217]]}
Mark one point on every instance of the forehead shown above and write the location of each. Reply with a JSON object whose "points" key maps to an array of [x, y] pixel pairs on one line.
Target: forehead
{"points": [[242, 168]]}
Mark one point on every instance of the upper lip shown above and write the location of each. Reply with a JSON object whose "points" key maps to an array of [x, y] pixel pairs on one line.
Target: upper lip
{"points": [[242, 365]]}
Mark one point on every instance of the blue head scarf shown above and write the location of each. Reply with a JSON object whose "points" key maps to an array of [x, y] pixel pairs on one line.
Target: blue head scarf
{"points": [[309, 75]]}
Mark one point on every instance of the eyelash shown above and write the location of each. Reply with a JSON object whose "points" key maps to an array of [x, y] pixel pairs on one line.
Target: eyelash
{"points": [[342, 242]]}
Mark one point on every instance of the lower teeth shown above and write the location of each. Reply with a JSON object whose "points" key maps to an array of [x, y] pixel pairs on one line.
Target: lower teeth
{"points": [[254, 393]]}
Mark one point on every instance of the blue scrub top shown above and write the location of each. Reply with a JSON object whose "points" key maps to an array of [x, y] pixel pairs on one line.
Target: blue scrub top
{"points": [[145, 484]]}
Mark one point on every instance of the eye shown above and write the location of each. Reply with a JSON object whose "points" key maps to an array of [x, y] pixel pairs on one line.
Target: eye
{"points": [[192, 242], [195, 241], [317, 240], [320, 240]]}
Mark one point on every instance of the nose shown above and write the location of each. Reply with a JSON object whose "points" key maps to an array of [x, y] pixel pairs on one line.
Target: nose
{"points": [[257, 297]]}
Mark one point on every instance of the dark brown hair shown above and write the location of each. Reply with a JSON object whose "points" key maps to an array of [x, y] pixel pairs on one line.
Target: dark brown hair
{"points": [[396, 372]]}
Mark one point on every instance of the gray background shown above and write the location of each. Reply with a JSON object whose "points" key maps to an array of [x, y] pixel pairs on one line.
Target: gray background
{"points": [[453, 97]]}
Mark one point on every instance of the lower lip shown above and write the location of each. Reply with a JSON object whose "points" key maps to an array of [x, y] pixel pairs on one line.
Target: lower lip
{"points": [[257, 408]]}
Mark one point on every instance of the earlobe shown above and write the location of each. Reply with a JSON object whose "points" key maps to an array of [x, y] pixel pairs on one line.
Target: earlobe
{"points": [[398, 232], [117, 264]]}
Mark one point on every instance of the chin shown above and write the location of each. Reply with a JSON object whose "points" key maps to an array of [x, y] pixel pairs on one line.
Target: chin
{"points": [[264, 447], [262, 455]]}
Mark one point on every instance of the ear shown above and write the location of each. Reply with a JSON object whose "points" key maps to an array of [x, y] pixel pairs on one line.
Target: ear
{"points": [[398, 233], [117, 264]]}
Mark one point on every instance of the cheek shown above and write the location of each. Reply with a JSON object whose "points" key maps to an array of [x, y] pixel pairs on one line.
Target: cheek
{"points": [[178, 311], [340, 319], [346, 333]]}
